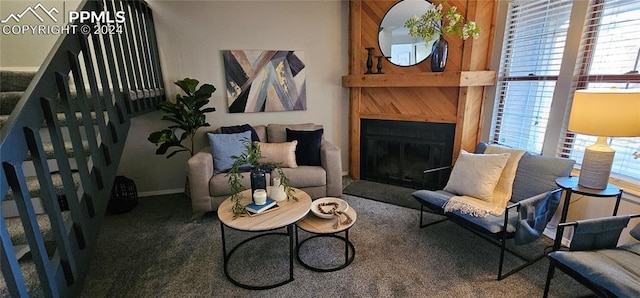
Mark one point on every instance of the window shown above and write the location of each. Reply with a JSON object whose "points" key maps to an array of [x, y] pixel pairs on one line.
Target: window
{"points": [[539, 72], [609, 57], [531, 58]]}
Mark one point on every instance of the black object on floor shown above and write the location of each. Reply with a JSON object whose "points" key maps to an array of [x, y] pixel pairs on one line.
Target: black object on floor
{"points": [[387, 193], [124, 195]]}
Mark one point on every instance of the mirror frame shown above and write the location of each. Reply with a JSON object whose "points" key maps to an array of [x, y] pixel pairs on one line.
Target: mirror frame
{"points": [[397, 16]]}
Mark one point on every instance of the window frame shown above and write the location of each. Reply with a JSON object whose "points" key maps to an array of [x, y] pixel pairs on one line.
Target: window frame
{"points": [[556, 132]]}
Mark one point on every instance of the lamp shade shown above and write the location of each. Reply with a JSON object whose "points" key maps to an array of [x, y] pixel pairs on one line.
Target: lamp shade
{"points": [[606, 112]]}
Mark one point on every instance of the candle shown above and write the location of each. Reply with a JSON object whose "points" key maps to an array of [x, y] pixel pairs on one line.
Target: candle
{"points": [[260, 196]]}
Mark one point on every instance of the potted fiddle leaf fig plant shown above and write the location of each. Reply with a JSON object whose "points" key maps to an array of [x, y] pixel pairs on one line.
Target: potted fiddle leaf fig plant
{"points": [[187, 115], [251, 160], [434, 24]]}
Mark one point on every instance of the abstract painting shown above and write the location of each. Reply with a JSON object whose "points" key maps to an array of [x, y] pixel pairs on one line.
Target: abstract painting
{"points": [[265, 81]]}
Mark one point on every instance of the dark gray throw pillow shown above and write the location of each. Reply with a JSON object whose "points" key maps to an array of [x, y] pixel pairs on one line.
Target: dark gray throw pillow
{"points": [[308, 149], [239, 129]]}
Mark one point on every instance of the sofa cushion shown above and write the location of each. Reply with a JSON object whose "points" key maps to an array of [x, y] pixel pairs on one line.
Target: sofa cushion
{"points": [[276, 133], [434, 199], [617, 270], [308, 150], [241, 128], [537, 174], [223, 146], [279, 153], [493, 224], [476, 175], [305, 176]]}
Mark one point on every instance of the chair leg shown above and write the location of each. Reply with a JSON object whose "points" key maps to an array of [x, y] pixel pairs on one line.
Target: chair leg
{"points": [[547, 284], [431, 223], [502, 248]]}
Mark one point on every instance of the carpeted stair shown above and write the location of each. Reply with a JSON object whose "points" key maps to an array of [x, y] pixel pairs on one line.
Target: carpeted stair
{"points": [[12, 87]]}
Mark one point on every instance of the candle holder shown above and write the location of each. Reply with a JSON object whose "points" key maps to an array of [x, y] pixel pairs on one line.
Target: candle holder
{"points": [[369, 60], [379, 67]]}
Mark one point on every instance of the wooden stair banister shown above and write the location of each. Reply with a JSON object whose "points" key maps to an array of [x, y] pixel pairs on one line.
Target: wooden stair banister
{"points": [[95, 125]]}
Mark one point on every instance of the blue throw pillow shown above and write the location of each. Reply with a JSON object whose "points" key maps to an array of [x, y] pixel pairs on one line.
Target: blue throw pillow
{"points": [[308, 149], [223, 146]]}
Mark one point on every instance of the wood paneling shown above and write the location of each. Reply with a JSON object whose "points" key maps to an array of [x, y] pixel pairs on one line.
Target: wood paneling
{"points": [[423, 79], [415, 93]]}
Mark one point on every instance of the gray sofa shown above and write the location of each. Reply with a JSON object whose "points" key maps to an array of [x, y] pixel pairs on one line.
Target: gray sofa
{"points": [[209, 190], [534, 199]]}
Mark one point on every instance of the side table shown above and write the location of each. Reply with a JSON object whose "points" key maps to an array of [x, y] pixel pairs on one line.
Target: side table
{"points": [[570, 186], [325, 228], [286, 216]]}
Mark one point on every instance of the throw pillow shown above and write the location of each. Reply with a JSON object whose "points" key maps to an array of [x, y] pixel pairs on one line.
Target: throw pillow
{"points": [[282, 153], [223, 146], [241, 128], [476, 175], [308, 149]]}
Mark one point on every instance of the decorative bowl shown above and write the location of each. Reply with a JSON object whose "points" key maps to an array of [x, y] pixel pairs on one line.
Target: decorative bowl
{"points": [[322, 207]]}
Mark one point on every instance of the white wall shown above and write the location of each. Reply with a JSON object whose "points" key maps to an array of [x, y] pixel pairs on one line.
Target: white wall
{"points": [[28, 51], [191, 35]]}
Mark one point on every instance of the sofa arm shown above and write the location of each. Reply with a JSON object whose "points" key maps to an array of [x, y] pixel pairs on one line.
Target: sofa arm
{"points": [[331, 160], [200, 170]]}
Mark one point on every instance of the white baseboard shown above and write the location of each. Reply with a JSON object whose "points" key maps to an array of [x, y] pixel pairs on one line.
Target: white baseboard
{"points": [[551, 233], [29, 69], [160, 192]]}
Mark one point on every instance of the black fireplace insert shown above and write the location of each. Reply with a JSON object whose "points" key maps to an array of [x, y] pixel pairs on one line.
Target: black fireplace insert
{"points": [[397, 152]]}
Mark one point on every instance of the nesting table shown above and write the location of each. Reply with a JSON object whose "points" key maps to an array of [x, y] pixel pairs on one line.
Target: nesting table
{"points": [[286, 215], [325, 228]]}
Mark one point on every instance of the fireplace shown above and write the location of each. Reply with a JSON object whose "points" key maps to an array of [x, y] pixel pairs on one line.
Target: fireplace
{"points": [[397, 152]]}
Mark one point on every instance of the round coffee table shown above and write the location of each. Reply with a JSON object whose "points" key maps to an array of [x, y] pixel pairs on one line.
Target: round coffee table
{"points": [[288, 213], [322, 227]]}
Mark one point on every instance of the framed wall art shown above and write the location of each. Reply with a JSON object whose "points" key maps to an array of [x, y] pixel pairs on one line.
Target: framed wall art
{"points": [[265, 81]]}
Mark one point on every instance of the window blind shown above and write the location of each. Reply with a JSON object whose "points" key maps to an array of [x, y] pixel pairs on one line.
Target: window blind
{"points": [[609, 57], [530, 62]]}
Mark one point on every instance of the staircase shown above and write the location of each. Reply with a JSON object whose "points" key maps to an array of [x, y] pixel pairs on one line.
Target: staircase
{"points": [[62, 133]]}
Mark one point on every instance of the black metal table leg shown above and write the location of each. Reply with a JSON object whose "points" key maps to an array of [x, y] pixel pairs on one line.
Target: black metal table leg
{"points": [[348, 246], [227, 256]]}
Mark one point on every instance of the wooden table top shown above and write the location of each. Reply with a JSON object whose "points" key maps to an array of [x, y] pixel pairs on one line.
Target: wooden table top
{"points": [[318, 225], [289, 212]]}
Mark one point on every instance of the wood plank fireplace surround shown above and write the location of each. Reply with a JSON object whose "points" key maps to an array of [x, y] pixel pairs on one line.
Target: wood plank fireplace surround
{"points": [[414, 94]]}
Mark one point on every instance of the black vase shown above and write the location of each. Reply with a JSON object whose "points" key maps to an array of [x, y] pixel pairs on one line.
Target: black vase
{"points": [[439, 53], [258, 179]]}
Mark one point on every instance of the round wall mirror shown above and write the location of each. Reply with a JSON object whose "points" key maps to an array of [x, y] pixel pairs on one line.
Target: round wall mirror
{"points": [[393, 38]]}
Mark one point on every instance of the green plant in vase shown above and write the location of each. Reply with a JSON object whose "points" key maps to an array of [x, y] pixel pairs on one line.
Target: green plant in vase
{"points": [[252, 158], [434, 24]]}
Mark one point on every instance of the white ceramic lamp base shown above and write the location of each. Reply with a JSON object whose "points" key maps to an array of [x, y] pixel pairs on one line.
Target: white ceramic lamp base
{"points": [[596, 165]]}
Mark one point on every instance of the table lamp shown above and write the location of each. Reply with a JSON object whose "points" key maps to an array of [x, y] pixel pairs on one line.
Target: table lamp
{"points": [[603, 113]]}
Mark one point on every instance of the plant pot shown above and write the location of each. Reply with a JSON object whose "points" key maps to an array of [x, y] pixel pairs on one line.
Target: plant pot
{"points": [[439, 53], [258, 179]]}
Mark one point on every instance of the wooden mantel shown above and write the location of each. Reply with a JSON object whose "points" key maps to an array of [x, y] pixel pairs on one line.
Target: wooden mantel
{"points": [[425, 79], [415, 93]]}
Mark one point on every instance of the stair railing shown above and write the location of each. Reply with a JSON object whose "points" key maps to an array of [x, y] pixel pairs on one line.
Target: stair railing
{"points": [[95, 81]]}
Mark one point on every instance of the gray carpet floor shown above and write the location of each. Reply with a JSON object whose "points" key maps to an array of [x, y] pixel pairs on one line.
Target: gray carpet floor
{"points": [[160, 250], [393, 194]]}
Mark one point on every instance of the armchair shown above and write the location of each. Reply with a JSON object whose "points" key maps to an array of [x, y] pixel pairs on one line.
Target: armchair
{"points": [[594, 260], [533, 201]]}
